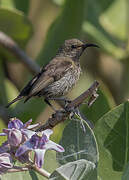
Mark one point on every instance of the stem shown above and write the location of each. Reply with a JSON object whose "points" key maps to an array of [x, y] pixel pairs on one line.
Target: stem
{"points": [[27, 168], [17, 169], [41, 171]]}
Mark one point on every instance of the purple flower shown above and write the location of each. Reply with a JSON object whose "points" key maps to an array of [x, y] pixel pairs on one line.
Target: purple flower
{"points": [[18, 124], [14, 136], [18, 132], [5, 147], [15, 123], [39, 143], [5, 162]]}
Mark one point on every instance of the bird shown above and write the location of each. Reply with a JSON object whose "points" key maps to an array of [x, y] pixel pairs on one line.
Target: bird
{"points": [[59, 76]]}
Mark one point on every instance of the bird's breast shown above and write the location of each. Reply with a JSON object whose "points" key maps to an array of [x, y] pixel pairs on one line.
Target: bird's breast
{"points": [[64, 84]]}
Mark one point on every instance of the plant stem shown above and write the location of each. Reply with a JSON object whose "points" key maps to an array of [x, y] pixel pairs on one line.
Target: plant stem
{"points": [[41, 171], [27, 168], [17, 169]]}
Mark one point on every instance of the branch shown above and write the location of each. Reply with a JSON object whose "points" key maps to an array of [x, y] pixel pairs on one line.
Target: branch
{"points": [[17, 169], [41, 171], [62, 115], [12, 46], [80, 99], [27, 168]]}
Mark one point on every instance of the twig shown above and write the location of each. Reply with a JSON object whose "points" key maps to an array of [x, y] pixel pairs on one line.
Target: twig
{"points": [[62, 115], [41, 171], [80, 99], [17, 169], [12, 46], [38, 170]]}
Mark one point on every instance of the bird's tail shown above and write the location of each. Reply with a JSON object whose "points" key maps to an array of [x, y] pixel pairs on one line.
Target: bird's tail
{"points": [[14, 100]]}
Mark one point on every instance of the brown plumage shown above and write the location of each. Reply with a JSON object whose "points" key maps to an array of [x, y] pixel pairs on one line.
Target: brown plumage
{"points": [[57, 77]]}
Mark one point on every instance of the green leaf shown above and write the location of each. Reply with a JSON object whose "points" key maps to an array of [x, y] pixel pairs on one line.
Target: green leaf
{"points": [[22, 5], [33, 175], [67, 25], [18, 175], [17, 26], [30, 109], [7, 90], [102, 24], [105, 169], [10, 90], [50, 163], [105, 41], [112, 132], [26, 175], [8, 4], [81, 169], [111, 20], [2, 126], [77, 147], [3, 97], [125, 175], [16, 4]]}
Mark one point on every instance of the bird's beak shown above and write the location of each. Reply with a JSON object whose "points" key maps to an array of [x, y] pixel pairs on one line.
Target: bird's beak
{"points": [[89, 45]]}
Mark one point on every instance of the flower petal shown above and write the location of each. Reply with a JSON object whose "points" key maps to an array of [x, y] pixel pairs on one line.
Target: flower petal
{"points": [[6, 131], [27, 123], [14, 137], [4, 147], [33, 126], [39, 157], [47, 132], [27, 133], [5, 160], [3, 134], [15, 123], [52, 145], [27, 146]]}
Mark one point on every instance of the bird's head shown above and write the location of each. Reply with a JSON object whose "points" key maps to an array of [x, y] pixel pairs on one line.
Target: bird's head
{"points": [[73, 48]]}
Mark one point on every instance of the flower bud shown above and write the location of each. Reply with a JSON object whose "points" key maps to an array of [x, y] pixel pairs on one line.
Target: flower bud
{"points": [[5, 162], [14, 137]]}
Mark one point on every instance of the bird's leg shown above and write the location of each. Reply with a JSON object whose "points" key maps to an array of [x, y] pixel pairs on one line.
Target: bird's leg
{"points": [[47, 101]]}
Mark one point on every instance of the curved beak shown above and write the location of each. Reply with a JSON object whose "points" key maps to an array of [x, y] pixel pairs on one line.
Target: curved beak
{"points": [[89, 45]]}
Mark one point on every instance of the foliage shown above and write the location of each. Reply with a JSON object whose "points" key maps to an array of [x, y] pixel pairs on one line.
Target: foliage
{"points": [[98, 153]]}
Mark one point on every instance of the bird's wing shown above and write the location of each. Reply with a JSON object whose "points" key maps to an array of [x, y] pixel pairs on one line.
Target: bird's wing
{"points": [[25, 91], [50, 73]]}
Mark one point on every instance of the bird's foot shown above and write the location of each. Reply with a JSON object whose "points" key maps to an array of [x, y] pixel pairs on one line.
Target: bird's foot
{"points": [[71, 111], [65, 101]]}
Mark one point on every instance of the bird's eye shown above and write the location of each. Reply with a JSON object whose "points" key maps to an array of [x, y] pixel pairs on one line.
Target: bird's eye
{"points": [[73, 46]]}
